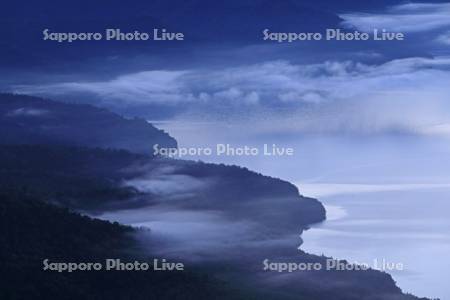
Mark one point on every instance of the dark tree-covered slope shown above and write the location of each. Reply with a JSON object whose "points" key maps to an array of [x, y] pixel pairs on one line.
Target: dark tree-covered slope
{"points": [[31, 231], [32, 120]]}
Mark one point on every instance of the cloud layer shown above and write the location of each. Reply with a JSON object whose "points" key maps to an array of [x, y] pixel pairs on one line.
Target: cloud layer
{"points": [[410, 17], [404, 95]]}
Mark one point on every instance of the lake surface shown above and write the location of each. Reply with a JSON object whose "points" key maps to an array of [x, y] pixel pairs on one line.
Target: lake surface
{"points": [[406, 224]]}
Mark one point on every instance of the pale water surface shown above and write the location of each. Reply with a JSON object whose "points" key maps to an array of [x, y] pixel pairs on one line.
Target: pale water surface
{"points": [[409, 226]]}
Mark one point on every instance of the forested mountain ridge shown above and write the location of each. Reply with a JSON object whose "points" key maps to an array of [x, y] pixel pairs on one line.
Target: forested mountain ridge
{"points": [[33, 120]]}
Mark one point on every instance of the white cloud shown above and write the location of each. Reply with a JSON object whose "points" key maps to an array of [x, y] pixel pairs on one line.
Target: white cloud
{"points": [[411, 17], [27, 111], [400, 95], [157, 86], [165, 182], [444, 38]]}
